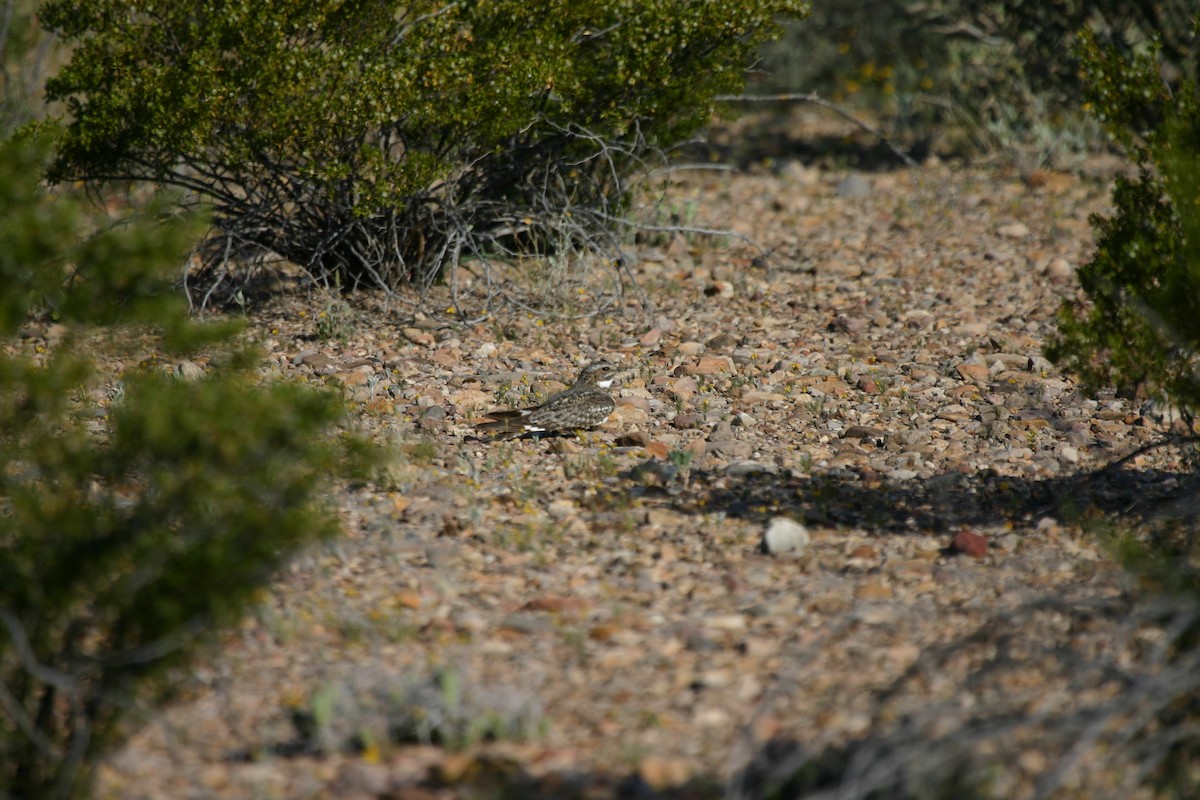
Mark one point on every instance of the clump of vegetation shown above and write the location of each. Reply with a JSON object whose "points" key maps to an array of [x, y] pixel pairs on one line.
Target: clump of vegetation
{"points": [[134, 525], [1000, 71], [27, 55], [1136, 326], [335, 317], [380, 144], [376, 708]]}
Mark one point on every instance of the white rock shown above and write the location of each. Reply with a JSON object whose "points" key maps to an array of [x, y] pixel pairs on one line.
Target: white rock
{"points": [[784, 535], [1060, 269]]}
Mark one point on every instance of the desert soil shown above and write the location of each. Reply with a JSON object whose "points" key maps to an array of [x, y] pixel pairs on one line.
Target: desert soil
{"points": [[605, 602]]}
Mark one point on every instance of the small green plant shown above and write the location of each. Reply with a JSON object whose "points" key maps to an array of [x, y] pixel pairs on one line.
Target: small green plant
{"points": [[335, 320], [681, 459], [606, 463], [376, 707], [422, 452], [516, 396]]}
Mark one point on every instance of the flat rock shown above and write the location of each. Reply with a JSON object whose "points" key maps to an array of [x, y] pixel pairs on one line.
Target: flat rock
{"points": [[854, 186]]}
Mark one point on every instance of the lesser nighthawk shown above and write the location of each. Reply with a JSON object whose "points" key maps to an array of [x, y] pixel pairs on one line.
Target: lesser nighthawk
{"points": [[584, 405]]}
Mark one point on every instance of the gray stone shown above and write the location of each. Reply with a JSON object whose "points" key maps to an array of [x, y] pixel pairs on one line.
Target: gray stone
{"points": [[853, 185], [740, 469]]}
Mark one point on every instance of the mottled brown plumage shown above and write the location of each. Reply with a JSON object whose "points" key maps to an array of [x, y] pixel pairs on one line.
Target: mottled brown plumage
{"points": [[584, 405]]}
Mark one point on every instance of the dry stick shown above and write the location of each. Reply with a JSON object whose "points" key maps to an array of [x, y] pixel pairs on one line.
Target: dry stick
{"points": [[1146, 448], [814, 98], [24, 652], [13, 707]]}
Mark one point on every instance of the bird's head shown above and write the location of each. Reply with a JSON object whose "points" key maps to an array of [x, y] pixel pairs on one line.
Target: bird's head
{"points": [[600, 373]]}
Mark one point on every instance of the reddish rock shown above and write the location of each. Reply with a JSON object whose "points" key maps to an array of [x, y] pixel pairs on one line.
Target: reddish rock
{"points": [[978, 373], [408, 599], [633, 439], [712, 365], [868, 385], [417, 336], [663, 773], [446, 358], [555, 604], [969, 543], [658, 449], [874, 591], [864, 551], [640, 403]]}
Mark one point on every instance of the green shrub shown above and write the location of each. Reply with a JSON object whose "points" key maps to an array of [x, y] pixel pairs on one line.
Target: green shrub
{"points": [[133, 523], [1138, 328], [382, 143]]}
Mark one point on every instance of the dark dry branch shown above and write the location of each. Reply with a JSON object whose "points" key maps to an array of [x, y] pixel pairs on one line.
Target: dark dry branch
{"points": [[947, 742], [537, 228], [816, 99]]}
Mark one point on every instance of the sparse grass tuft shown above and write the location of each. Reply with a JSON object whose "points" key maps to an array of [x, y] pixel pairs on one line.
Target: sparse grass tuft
{"points": [[382, 706], [336, 318]]}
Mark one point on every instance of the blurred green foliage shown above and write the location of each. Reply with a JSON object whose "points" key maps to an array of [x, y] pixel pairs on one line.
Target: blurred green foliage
{"points": [[133, 522], [1139, 328], [27, 55]]}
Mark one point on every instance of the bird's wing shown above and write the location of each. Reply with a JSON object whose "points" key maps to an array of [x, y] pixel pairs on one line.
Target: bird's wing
{"points": [[509, 413]]}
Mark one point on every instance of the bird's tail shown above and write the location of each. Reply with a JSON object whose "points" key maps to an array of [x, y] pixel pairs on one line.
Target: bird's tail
{"points": [[504, 423]]}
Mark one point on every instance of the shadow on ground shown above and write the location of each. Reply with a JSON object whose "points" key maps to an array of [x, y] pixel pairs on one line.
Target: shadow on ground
{"points": [[774, 135], [938, 504], [932, 752]]}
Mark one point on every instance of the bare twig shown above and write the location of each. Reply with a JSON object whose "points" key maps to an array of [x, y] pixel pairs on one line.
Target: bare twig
{"points": [[28, 659], [13, 708], [900, 747], [1146, 448]]}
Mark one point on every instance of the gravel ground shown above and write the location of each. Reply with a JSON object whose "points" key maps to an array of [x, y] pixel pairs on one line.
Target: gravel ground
{"points": [[845, 513]]}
